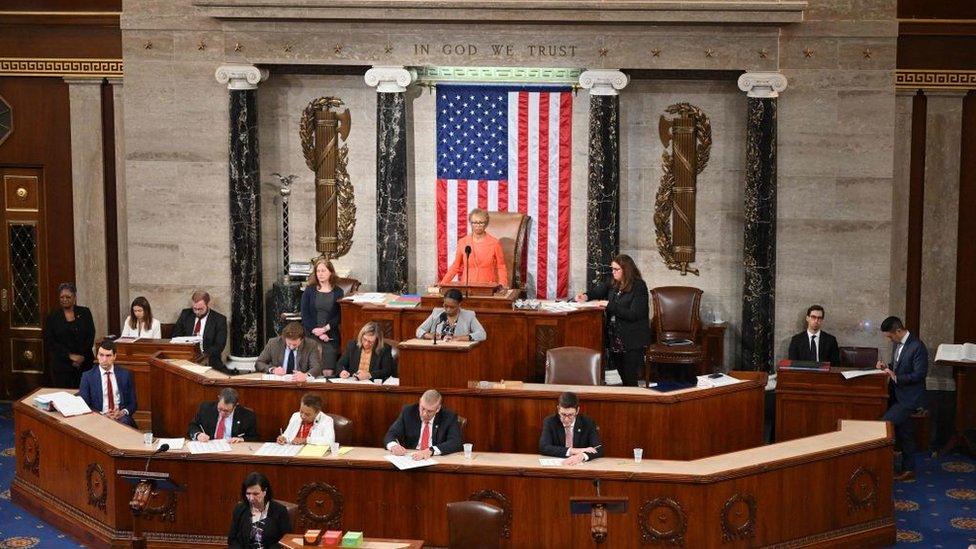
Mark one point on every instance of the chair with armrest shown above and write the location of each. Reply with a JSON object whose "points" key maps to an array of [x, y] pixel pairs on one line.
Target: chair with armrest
{"points": [[343, 428], [573, 366], [395, 352], [474, 525], [676, 317], [858, 357], [462, 423], [292, 509], [512, 231], [166, 330], [348, 285]]}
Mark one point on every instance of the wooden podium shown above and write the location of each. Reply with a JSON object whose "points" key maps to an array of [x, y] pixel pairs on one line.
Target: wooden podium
{"points": [[810, 402], [965, 376], [444, 364], [478, 296]]}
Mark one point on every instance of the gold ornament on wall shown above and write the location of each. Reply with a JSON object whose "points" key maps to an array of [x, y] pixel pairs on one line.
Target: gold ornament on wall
{"points": [[689, 136], [320, 129]]}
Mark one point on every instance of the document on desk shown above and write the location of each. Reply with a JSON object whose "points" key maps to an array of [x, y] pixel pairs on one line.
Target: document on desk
{"points": [[191, 366], [69, 405], [851, 374], [368, 297], [209, 447], [186, 339], [550, 462], [174, 443], [127, 339], [273, 377], [312, 450], [279, 450], [720, 381], [349, 379], [407, 462]]}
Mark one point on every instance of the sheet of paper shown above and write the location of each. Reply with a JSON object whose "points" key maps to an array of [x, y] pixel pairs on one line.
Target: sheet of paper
{"points": [[50, 397], [343, 450], [406, 462], [391, 381], [70, 405], [127, 339], [311, 450], [707, 381], [550, 462], [272, 377], [191, 366], [851, 374], [174, 443], [209, 447], [186, 339], [280, 450], [368, 297], [347, 380]]}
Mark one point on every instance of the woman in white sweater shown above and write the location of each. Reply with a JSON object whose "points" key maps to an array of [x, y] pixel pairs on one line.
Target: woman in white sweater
{"points": [[140, 322], [309, 425]]}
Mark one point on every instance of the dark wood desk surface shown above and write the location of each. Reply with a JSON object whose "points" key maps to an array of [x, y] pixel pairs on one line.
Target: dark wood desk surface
{"points": [[684, 424], [66, 473], [811, 402], [295, 541]]}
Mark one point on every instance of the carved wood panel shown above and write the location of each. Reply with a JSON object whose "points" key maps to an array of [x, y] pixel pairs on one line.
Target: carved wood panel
{"points": [[97, 487], [32, 452], [739, 517], [313, 509], [862, 489]]}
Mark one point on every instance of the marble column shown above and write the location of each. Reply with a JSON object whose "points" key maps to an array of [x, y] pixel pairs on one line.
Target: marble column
{"points": [[122, 232], [88, 197], [759, 246], [391, 175], [603, 196], [247, 306]]}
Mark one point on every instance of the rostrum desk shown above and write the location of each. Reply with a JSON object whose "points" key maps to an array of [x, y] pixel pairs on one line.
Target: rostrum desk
{"points": [[134, 357], [681, 425], [810, 402], [832, 489]]}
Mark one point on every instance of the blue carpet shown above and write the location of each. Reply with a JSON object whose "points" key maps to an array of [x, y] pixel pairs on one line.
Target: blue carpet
{"points": [[936, 510]]}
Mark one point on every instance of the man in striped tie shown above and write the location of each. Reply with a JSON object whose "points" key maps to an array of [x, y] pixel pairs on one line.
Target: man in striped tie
{"points": [[424, 429]]}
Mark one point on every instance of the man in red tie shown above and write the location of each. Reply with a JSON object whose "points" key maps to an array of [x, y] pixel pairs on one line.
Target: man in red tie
{"points": [[569, 434], [424, 429], [108, 389], [207, 324]]}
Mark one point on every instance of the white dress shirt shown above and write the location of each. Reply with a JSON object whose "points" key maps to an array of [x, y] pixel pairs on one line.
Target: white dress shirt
{"points": [[154, 331], [115, 389], [435, 451], [899, 348]]}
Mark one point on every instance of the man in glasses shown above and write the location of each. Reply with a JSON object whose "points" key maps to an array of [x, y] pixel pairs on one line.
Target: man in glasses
{"points": [[424, 429], [567, 434], [814, 344]]}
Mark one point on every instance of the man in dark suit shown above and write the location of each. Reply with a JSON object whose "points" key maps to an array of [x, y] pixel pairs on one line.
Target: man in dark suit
{"points": [[223, 419], [108, 389], [292, 353], [209, 325], [426, 427], [814, 344], [556, 441], [906, 387]]}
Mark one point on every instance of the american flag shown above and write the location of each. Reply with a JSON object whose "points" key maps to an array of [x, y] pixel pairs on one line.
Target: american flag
{"points": [[507, 148]]}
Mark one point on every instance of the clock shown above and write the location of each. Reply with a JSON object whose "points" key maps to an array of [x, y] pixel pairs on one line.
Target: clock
{"points": [[6, 120]]}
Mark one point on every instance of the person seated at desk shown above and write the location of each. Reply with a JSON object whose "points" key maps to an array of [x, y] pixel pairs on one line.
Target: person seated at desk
{"points": [[451, 322], [69, 335], [140, 322], [813, 344], [426, 427], [309, 425], [207, 324], [258, 520], [369, 357], [486, 262], [108, 389], [224, 419], [321, 314], [291, 353], [570, 435]]}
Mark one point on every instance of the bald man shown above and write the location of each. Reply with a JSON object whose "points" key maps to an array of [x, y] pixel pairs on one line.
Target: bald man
{"points": [[424, 429]]}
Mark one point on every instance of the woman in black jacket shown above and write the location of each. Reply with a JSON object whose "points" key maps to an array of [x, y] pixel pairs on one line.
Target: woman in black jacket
{"points": [[259, 521], [628, 317], [69, 335], [379, 364]]}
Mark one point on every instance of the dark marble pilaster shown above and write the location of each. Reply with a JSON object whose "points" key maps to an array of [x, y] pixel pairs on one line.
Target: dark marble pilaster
{"points": [[603, 194], [759, 246], [391, 193]]}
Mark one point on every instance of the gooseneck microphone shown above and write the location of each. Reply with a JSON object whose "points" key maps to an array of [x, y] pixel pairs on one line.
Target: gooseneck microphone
{"points": [[162, 448], [440, 319], [467, 270]]}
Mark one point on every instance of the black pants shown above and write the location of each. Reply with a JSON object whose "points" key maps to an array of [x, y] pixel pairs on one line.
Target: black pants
{"points": [[901, 417], [629, 364]]}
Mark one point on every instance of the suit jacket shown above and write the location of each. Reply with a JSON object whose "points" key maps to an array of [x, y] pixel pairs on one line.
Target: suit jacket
{"points": [[446, 435], [829, 351], [214, 334], [310, 316], [911, 369], [322, 433], [277, 524], [308, 356], [380, 364], [244, 422], [631, 310], [62, 338], [466, 324], [91, 389], [553, 439]]}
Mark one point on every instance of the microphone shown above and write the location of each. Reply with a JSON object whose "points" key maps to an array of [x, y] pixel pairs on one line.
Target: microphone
{"points": [[162, 448], [467, 270], [442, 318]]}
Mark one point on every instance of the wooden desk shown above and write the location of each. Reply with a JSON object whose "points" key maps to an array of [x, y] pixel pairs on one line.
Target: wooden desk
{"points": [[66, 474], [295, 541], [810, 402], [517, 339], [422, 363], [680, 425], [502, 300], [134, 357], [965, 376]]}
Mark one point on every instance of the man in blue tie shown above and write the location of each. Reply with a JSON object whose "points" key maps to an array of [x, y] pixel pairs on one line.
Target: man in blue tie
{"points": [[292, 354], [906, 387]]}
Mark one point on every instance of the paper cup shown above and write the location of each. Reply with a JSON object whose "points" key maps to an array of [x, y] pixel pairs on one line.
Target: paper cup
{"points": [[638, 455], [334, 448], [147, 438], [468, 447]]}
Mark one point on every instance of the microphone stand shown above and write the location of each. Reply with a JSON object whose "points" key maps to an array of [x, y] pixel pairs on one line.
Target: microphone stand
{"points": [[435, 331], [467, 271]]}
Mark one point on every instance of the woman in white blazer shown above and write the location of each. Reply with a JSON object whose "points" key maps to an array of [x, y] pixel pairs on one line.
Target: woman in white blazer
{"points": [[309, 425], [140, 322]]}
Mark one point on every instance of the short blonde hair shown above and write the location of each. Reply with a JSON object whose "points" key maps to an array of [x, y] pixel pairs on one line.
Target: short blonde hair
{"points": [[371, 328]]}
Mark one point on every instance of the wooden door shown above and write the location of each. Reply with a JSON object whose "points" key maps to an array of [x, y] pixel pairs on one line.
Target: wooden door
{"points": [[23, 281]]}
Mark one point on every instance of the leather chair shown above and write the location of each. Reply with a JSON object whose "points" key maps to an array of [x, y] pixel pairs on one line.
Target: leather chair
{"points": [[462, 423], [343, 428], [676, 316], [573, 366], [348, 285], [512, 231], [858, 357], [292, 514], [395, 352], [474, 525]]}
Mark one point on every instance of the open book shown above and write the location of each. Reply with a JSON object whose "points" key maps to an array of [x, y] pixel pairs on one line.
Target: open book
{"points": [[66, 403], [956, 353]]}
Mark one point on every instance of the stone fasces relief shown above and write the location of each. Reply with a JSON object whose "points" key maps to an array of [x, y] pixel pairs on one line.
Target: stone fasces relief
{"points": [[687, 140], [321, 128]]}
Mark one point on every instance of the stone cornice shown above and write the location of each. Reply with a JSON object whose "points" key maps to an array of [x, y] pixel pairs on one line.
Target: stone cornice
{"points": [[60, 67], [546, 11], [603, 81], [240, 77], [390, 79], [762, 85]]}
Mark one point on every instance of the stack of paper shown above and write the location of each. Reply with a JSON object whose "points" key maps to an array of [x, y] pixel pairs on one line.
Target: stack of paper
{"points": [[280, 450], [720, 381], [211, 446], [174, 443], [407, 462], [851, 374], [550, 462], [391, 381], [68, 404], [186, 339], [273, 377], [368, 297]]}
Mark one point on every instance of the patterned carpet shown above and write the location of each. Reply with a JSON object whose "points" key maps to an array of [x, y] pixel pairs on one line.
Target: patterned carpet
{"points": [[936, 510]]}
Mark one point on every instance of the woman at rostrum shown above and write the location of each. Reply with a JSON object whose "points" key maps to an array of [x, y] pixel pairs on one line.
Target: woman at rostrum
{"points": [[457, 325], [486, 263]]}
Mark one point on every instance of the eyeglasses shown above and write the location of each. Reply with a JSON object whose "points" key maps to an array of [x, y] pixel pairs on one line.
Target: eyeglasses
{"points": [[570, 415], [816, 317], [479, 222]]}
